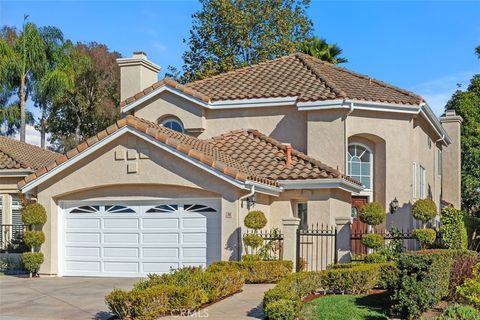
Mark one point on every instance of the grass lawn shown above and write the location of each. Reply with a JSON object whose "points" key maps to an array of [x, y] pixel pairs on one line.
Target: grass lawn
{"points": [[353, 307]]}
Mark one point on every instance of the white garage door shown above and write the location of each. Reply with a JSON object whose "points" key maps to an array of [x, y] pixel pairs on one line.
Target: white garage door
{"points": [[131, 240]]}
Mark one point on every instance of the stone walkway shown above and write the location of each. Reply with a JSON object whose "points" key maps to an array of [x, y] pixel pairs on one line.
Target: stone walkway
{"points": [[242, 306]]}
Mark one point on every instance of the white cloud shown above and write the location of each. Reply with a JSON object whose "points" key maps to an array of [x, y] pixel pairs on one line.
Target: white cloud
{"points": [[438, 91], [32, 136]]}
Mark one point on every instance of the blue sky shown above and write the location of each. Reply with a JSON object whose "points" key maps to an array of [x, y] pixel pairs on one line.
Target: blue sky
{"points": [[423, 46]]}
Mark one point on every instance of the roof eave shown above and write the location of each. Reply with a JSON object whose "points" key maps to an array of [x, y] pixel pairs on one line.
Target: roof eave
{"points": [[336, 183]]}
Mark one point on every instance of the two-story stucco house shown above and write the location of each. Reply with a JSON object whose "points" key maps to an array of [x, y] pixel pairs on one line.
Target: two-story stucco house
{"points": [[169, 184]]}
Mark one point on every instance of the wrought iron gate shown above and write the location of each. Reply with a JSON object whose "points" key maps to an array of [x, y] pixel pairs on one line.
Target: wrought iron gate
{"points": [[316, 247]]}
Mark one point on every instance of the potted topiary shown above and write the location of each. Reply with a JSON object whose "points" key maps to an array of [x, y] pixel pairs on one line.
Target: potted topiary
{"points": [[424, 210], [372, 214], [35, 216], [255, 220]]}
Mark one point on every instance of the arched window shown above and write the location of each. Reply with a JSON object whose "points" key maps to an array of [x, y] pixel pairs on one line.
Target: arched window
{"points": [[360, 164], [174, 124]]}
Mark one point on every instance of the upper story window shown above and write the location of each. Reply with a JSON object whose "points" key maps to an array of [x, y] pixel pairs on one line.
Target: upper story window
{"points": [[439, 162], [423, 185], [174, 124], [360, 164]]}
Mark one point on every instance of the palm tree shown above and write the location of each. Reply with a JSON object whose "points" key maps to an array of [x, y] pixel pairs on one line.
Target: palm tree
{"points": [[20, 59], [319, 48]]}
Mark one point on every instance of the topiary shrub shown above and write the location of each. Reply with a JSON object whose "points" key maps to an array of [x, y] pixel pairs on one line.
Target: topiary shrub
{"points": [[373, 240], [34, 214], [424, 210], [372, 214], [255, 220], [426, 237], [32, 261], [253, 240], [33, 238], [454, 233], [375, 258]]}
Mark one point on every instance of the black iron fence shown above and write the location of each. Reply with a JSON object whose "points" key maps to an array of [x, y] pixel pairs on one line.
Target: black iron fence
{"points": [[316, 247], [11, 237], [402, 236], [272, 246]]}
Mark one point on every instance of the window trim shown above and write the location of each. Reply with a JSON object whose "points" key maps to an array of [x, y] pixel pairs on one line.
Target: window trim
{"points": [[414, 182], [439, 162], [371, 162]]}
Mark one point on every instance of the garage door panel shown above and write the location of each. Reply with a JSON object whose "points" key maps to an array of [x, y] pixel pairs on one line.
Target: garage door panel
{"points": [[160, 253], [124, 240], [126, 223], [121, 252], [83, 223], [159, 267], [160, 238], [120, 238], [160, 223], [84, 252], [121, 266], [82, 237]]}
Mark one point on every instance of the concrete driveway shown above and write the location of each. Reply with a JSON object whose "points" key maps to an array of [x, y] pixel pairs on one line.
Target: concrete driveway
{"points": [[57, 298]]}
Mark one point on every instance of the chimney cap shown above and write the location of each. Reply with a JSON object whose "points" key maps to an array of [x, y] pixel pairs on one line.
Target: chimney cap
{"points": [[450, 113]]}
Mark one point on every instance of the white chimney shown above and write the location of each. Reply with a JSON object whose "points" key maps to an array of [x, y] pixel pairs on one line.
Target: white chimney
{"points": [[136, 74]]}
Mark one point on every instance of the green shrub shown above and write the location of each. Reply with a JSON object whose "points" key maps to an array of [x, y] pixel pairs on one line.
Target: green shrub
{"points": [[31, 261], [375, 258], [33, 239], [458, 312], [473, 231], [423, 281], [255, 220], [372, 214], [373, 240], [283, 309], [470, 289], [34, 214], [388, 276], [463, 263], [251, 257], [356, 280], [426, 237], [256, 271], [454, 233], [252, 240], [424, 210], [221, 284]]}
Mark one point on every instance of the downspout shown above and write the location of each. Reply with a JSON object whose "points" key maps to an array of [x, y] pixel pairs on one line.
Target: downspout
{"points": [[251, 193]]}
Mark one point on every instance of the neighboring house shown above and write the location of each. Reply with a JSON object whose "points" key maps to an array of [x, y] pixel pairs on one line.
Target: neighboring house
{"points": [[17, 160], [169, 184]]}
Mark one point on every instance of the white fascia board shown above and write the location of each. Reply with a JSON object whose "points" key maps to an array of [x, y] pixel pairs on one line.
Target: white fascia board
{"points": [[159, 90], [15, 172], [358, 104], [321, 184], [29, 186], [265, 189], [432, 119], [253, 103]]}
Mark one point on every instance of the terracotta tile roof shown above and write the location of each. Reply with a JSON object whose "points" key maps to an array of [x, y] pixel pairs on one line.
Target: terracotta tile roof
{"points": [[241, 154], [298, 75], [193, 147], [267, 156], [19, 155]]}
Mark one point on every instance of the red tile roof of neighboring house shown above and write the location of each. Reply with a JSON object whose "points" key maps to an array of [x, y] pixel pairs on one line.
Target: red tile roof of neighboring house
{"points": [[242, 155], [15, 154], [298, 75]]}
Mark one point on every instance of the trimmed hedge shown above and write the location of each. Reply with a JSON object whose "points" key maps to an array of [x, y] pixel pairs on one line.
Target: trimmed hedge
{"points": [[256, 271], [184, 290], [284, 301], [34, 214], [454, 233]]}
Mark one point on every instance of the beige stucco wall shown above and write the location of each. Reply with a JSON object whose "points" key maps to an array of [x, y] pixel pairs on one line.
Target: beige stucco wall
{"points": [[452, 166], [99, 176]]}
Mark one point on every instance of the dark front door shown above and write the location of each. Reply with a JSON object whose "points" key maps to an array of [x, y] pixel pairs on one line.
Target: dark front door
{"points": [[358, 227]]}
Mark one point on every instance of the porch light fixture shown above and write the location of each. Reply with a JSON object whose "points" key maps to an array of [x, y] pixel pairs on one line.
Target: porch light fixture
{"points": [[394, 206]]}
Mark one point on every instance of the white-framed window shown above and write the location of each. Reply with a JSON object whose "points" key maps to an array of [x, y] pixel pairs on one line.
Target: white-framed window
{"points": [[16, 211], [439, 162], [174, 124], [360, 164], [302, 213], [422, 186], [414, 180]]}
